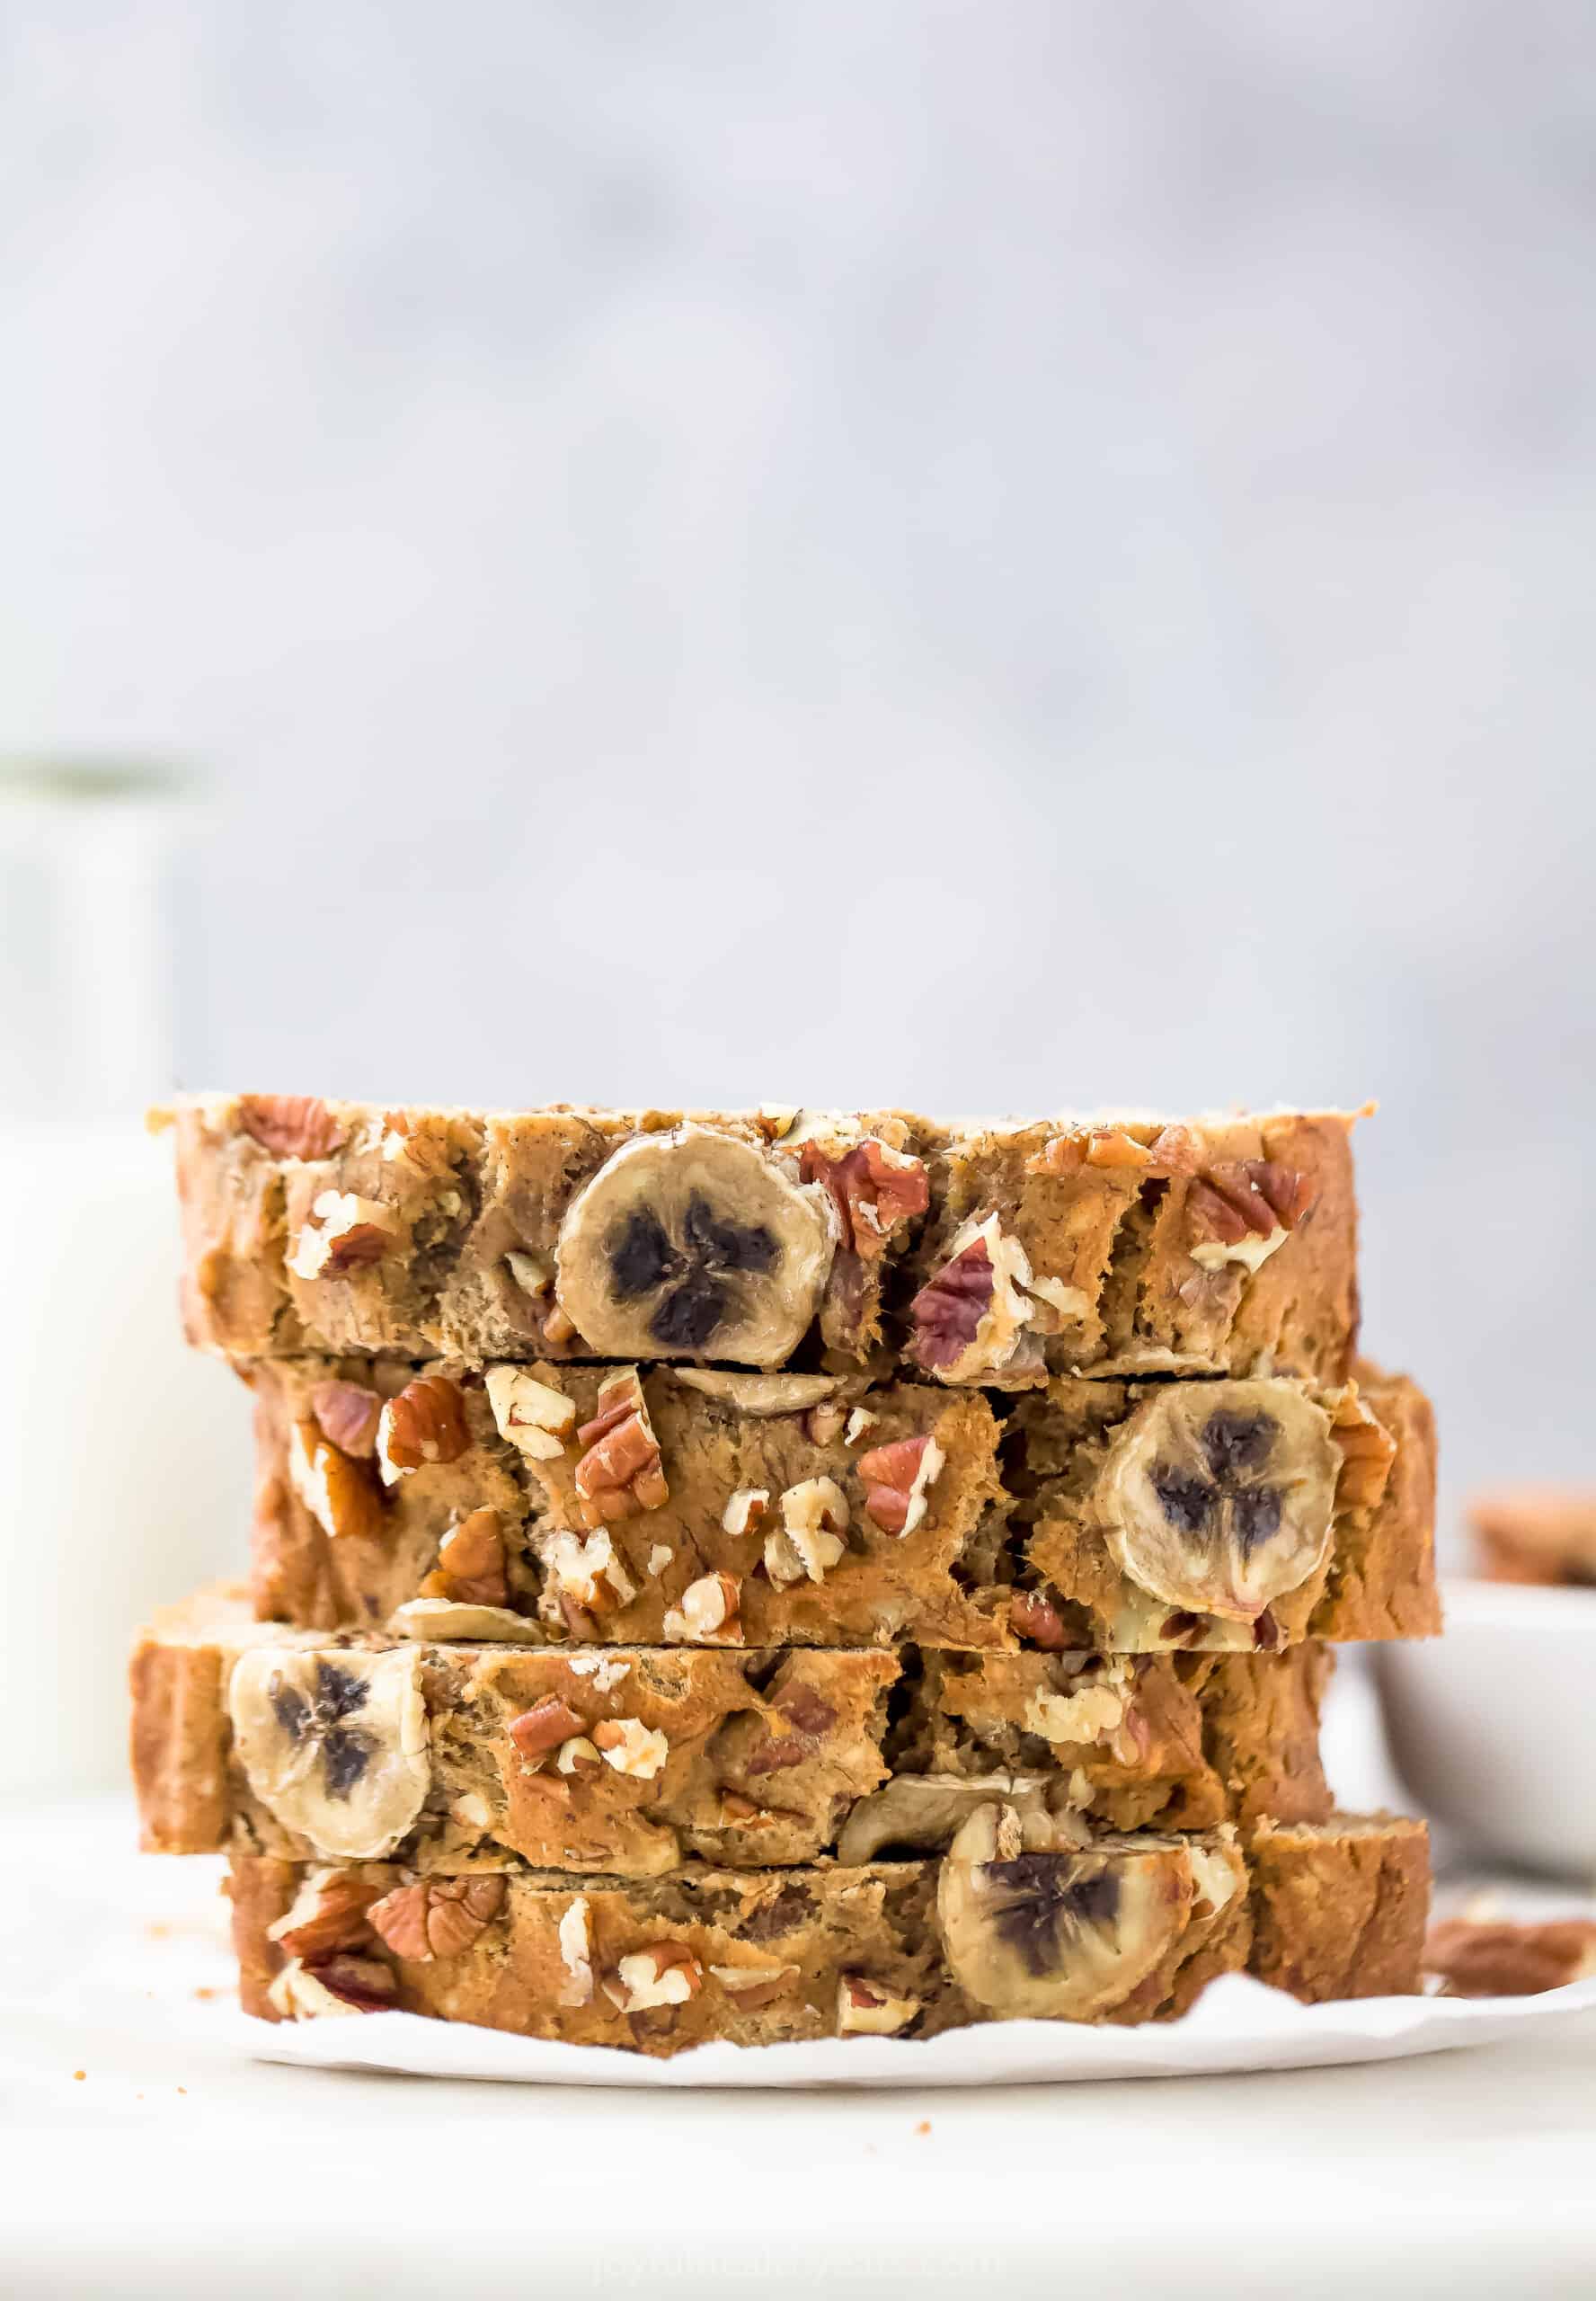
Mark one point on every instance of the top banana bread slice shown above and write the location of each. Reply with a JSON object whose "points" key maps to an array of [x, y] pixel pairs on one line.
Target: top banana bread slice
{"points": [[992, 1255]]}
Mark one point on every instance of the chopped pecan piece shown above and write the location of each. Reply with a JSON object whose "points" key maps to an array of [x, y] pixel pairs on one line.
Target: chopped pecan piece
{"points": [[874, 1189], [631, 1748], [799, 1723], [365, 1984], [341, 1495], [949, 1309], [666, 1973], [808, 1541], [970, 1318], [620, 1473], [1367, 1452], [348, 1413], [897, 1478], [533, 1415], [436, 1917], [290, 1127], [709, 1609], [1034, 1619], [576, 1951], [470, 1569], [808, 1711], [327, 1913], [751, 1986], [1099, 1146], [343, 1233], [545, 1727], [586, 1579], [1172, 1151], [425, 1423], [865, 2009], [742, 1812], [578, 1756], [744, 1511], [1181, 1628]]}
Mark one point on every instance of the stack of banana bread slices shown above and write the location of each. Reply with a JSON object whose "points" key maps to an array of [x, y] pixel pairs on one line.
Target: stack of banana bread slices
{"points": [[786, 1574]]}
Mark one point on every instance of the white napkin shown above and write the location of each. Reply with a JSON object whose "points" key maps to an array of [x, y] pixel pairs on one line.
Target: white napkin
{"points": [[1236, 2025]]}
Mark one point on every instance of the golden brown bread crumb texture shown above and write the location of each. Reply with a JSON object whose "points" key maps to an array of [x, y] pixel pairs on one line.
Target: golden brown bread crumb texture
{"points": [[1341, 1911], [764, 1958], [994, 1255], [957, 1518], [745, 1759]]}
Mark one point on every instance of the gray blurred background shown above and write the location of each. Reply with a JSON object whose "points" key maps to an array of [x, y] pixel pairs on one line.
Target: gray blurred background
{"points": [[1010, 556]]}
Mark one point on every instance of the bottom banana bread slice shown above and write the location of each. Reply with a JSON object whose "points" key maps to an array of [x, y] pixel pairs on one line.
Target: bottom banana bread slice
{"points": [[1020, 1919]]}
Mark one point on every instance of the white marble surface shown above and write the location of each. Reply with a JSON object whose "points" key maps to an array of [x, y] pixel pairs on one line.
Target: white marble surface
{"points": [[173, 2167]]}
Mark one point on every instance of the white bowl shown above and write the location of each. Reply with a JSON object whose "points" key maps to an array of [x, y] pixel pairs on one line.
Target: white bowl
{"points": [[1493, 1725]]}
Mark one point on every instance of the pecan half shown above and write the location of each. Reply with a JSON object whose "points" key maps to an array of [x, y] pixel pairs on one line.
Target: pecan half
{"points": [[470, 1569], [348, 1413], [436, 1917], [620, 1473], [897, 1478], [1236, 1199], [291, 1126], [425, 1423]]}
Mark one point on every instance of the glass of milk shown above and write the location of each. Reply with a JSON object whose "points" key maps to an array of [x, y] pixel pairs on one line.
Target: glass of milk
{"points": [[124, 1459]]}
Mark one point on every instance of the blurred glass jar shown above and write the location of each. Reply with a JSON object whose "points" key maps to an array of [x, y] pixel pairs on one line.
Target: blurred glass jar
{"points": [[123, 1460]]}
